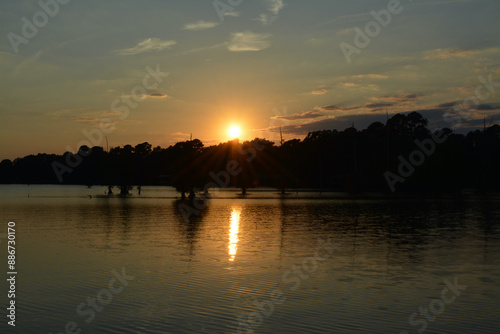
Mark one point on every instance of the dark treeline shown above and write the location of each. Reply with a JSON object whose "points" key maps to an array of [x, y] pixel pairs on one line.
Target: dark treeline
{"points": [[402, 155]]}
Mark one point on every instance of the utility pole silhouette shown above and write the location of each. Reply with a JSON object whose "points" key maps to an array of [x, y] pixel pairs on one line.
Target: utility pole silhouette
{"points": [[387, 140], [107, 167]]}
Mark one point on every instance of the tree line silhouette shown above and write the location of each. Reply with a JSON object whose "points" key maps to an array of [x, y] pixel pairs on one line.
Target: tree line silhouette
{"points": [[348, 160]]}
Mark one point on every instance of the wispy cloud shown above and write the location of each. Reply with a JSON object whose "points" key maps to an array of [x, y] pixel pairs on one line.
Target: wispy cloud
{"points": [[147, 45], [363, 120], [85, 119], [274, 7], [447, 54], [371, 76], [94, 121], [232, 13], [319, 92], [149, 94], [395, 99], [248, 41], [65, 113], [180, 134], [451, 105], [360, 86], [204, 48], [201, 25], [266, 19], [379, 103], [344, 32], [304, 115], [336, 108], [180, 137], [342, 122], [156, 95], [446, 105]]}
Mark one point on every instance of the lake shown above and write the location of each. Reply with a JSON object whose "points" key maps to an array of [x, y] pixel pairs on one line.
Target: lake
{"points": [[261, 263]]}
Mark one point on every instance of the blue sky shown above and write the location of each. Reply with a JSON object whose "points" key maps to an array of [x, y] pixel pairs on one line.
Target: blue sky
{"points": [[265, 64]]}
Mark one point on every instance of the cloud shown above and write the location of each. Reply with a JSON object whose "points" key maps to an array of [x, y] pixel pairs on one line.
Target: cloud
{"points": [[340, 123], [180, 134], [335, 108], [156, 95], [201, 25], [451, 105], [485, 107], [149, 94], [27, 63], [232, 13], [180, 137], [396, 98], [85, 119], [378, 106], [266, 19], [360, 86], [371, 76], [362, 121], [447, 54], [65, 113], [446, 105], [248, 41], [147, 45], [95, 121], [319, 92], [274, 6], [381, 103], [345, 31], [204, 48], [304, 115], [462, 91]]}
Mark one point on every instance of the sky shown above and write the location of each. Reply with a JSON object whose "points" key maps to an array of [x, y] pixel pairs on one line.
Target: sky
{"points": [[77, 72]]}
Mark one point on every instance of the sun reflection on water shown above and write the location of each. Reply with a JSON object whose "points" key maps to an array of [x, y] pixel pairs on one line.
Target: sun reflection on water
{"points": [[233, 233]]}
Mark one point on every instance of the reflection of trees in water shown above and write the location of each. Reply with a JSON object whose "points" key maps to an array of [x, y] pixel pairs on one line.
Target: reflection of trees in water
{"points": [[487, 215], [111, 215], [391, 232], [119, 216], [189, 225]]}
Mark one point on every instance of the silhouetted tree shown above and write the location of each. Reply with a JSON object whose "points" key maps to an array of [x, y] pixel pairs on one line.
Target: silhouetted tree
{"points": [[348, 160]]}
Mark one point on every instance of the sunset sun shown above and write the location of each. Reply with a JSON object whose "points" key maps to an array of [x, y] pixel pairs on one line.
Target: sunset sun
{"points": [[234, 131]]}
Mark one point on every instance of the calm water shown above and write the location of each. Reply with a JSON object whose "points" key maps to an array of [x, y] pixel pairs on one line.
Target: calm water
{"points": [[388, 259]]}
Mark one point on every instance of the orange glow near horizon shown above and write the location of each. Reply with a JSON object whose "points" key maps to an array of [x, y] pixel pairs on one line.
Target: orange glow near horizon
{"points": [[232, 122]]}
